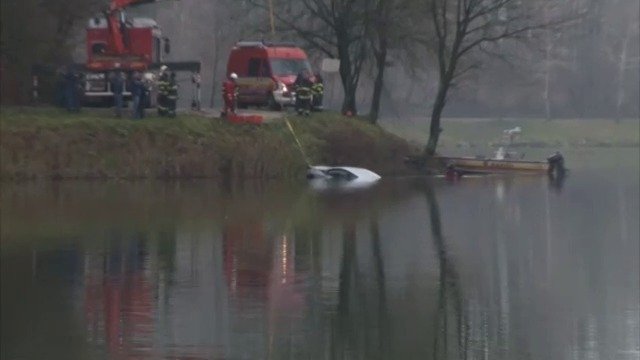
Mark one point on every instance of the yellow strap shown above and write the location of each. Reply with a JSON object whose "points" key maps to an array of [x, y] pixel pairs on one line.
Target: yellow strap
{"points": [[304, 155]]}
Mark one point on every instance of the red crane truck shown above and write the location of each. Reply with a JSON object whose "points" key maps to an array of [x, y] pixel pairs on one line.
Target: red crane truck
{"points": [[115, 42]]}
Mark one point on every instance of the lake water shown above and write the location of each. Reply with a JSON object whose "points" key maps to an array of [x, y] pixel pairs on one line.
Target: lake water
{"points": [[414, 268]]}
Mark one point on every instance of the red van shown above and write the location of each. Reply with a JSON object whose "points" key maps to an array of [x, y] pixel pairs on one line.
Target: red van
{"points": [[266, 72]]}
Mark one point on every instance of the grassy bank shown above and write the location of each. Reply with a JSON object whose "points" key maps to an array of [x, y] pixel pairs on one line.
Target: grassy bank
{"points": [[51, 143], [486, 133]]}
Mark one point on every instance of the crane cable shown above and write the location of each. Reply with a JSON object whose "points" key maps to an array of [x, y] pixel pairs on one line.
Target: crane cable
{"points": [[304, 155]]}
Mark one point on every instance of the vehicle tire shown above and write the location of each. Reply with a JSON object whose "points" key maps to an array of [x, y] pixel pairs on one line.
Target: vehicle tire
{"points": [[272, 104]]}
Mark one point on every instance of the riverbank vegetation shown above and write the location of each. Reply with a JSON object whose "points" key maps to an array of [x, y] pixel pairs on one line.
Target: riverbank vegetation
{"points": [[51, 143]]}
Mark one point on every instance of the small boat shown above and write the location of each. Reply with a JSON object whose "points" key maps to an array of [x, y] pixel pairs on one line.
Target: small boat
{"points": [[503, 162]]}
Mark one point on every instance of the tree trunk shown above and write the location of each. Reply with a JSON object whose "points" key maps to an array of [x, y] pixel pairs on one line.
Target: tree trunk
{"points": [[346, 74], [349, 101], [377, 87], [622, 64], [214, 78], [380, 22], [547, 80], [547, 67], [436, 113]]}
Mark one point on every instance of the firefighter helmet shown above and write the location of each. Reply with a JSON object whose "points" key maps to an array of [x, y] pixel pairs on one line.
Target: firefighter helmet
{"points": [[234, 76]]}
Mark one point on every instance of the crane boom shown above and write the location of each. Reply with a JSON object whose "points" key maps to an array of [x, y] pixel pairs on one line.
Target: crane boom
{"points": [[116, 24]]}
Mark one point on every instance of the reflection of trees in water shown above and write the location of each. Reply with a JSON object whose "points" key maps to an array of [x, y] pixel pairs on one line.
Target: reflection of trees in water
{"points": [[450, 300], [38, 316], [362, 326], [383, 311], [361, 323]]}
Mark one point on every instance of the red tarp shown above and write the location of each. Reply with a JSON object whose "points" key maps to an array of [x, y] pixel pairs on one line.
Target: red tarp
{"points": [[245, 119]]}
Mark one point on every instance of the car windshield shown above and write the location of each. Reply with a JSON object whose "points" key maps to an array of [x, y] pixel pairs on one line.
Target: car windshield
{"points": [[341, 174], [283, 67]]}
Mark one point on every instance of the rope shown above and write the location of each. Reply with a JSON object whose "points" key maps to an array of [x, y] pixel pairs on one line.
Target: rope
{"points": [[304, 155]]}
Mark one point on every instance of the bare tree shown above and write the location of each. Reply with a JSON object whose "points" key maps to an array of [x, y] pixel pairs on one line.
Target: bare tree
{"points": [[464, 26], [622, 50], [380, 47], [395, 26], [554, 54]]}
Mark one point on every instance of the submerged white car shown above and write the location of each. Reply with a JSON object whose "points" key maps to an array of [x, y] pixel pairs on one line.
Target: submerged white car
{"points": [[340, 177]]}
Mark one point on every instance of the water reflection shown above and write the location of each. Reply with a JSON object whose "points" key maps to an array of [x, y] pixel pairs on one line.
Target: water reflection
{"points": [[497, 268], [450, 299]]}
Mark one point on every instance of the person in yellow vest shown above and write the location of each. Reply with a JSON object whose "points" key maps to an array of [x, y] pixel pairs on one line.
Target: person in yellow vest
{"points": [[317, 91], [303, 93], [172, 95]]}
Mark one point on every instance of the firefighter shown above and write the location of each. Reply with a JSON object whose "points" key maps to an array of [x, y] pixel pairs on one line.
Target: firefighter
{"points": [[70, 90], [61, 99], [230, 95], [303, 93], [163, 91], [139, 92], [172, 96], [116, 79], [317, 90], [79, 89]]}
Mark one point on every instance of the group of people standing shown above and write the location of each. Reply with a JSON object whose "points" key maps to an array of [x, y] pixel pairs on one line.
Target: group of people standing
{"points": [[69, 89], [309, 93], [139, 87], [71, 84]]}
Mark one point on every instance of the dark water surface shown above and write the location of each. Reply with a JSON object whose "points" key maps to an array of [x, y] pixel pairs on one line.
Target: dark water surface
{"points": [[486, 268]]}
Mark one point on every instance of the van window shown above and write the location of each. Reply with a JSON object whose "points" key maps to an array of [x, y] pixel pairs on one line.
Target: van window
{"points": [[283, 67], [266, 71], [157, 52], [254, 67]]}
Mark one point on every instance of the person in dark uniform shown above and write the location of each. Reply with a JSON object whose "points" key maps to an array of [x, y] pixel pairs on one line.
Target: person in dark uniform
{"points": [[117, 80], [303, 93], [61, 96], [78, 89], [138, 90], [70, 90]]}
